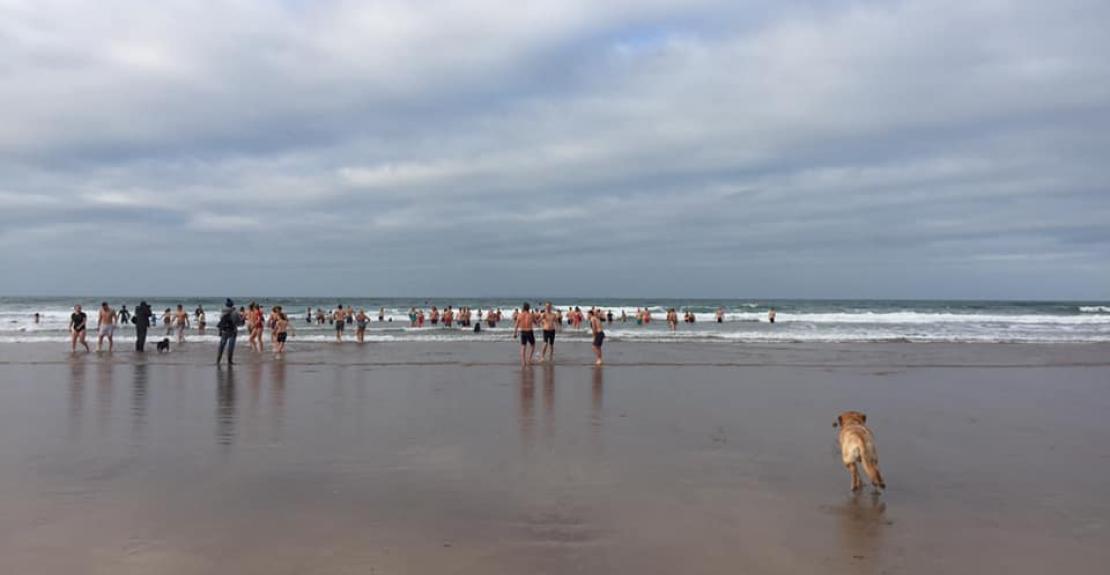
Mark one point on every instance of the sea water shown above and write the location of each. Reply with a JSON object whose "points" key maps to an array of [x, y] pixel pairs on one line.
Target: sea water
{"points": [[745, 320]]}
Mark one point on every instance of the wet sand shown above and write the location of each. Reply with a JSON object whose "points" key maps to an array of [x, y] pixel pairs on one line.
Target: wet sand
{"points": [[449, 458]]}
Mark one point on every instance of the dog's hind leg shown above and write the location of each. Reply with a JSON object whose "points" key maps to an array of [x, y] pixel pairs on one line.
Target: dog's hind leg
{"points": [[871, 468], [854, 472]]}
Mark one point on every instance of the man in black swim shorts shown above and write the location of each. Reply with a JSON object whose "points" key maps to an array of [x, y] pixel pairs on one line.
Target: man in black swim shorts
{"points": [[550, 322], [340, 319], [599, 335], [523, 326]]}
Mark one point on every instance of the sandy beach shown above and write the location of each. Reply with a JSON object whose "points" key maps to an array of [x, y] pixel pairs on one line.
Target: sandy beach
{"points": [[450, 458]]}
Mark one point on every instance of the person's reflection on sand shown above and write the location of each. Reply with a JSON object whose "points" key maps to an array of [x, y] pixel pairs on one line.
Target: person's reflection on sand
{"points": [[526, 408], [254, 384], [104, 398], [225, 406], [548, 401], [277, 400], [862, 521], [76, 397], [597, 395], [139, 400]]}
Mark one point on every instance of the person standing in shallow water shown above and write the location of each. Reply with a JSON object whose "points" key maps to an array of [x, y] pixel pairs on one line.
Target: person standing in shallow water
{"points": [[105, 327], [771, 315], [180, 322], [339, 320], [141, 319], [361, 321], [549, 322], [78, 326], [523, 325], [599, 335], [228, 327], [281, 332]]}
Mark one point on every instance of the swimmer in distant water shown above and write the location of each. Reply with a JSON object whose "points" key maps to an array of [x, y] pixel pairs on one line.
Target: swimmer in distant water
{"points": [[720, 315], [202, 319], [771, 315], [124, 315], [672, 319], [167, 321]]}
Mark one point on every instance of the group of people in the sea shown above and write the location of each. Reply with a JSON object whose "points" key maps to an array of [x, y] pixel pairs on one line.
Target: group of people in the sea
{"points": [[254, 318]]}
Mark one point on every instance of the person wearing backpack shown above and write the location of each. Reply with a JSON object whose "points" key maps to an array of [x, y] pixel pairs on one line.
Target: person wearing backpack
{"points": [[228, 327]]}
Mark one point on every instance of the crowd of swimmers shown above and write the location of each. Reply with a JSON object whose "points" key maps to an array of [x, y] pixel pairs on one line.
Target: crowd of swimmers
{"points": [[254, 318]]}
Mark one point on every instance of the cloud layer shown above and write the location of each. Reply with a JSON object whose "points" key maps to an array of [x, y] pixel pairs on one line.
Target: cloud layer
{"points": [[647, 148]]}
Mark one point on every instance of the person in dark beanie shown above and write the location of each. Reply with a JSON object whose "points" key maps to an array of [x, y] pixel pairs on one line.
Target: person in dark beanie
{"points": [[228, 327], [141, 319]]}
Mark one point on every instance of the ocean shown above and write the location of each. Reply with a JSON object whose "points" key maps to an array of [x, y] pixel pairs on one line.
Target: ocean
{"points": [[745, 319]]}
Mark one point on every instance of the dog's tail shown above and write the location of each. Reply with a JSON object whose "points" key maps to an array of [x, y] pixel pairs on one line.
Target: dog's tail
{"points": [[870, 462]]}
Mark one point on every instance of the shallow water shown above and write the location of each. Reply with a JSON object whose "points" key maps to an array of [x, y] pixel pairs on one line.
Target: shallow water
{"points": [[745, 320], [449, 461]]}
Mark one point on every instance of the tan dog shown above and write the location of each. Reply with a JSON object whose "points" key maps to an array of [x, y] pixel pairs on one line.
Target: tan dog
{"points": [[858, 446]]}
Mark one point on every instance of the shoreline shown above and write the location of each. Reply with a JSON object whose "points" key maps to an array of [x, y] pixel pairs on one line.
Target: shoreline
{"points": [[577, 352]]}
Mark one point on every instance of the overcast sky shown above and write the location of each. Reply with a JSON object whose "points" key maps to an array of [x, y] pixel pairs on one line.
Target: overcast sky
{"points": [[939, 149]]}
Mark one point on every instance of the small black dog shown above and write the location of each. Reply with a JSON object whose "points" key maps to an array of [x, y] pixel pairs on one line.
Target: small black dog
{"points": [[164, 345]]}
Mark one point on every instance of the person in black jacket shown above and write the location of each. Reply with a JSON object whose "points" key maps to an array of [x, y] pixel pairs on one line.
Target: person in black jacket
{"points": [[141, 319], [228, 327]]}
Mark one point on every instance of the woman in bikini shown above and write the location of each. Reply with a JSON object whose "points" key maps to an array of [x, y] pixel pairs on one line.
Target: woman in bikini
{"points": [[255, 323], [361, 321]]}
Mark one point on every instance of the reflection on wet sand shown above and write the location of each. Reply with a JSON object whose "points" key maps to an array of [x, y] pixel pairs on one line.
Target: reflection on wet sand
{"points": [[526, 406], [597, 397], [277, 400], [76, 397], [225, 406], [104, 393], [548, 402], [861, 522], [139, 400], [431, 468]]}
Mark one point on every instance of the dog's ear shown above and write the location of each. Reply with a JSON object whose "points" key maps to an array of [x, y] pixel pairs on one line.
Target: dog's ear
{"points": [[863, 417]]}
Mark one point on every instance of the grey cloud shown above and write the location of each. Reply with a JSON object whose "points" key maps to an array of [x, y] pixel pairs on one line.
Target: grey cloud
{"points": [[911, 149]]}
